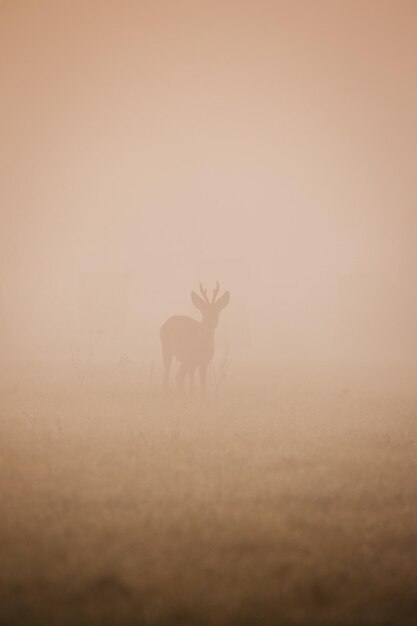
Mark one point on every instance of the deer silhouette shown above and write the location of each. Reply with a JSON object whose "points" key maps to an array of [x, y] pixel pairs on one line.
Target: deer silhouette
{"points": [[190, 341]]}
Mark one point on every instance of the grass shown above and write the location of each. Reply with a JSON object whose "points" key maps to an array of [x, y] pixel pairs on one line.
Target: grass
{"points": [[256, 506]]}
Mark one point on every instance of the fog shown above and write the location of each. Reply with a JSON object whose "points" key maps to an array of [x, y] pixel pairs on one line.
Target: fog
{"points": [[148, 146]]}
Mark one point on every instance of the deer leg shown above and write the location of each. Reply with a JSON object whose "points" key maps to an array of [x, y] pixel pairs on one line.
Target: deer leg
{"points": [[181, 374], [203, 379], [167, 357]]}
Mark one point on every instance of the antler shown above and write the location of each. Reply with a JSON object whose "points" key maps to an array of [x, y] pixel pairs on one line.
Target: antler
{"points": [[215, 291], [204, 293]]}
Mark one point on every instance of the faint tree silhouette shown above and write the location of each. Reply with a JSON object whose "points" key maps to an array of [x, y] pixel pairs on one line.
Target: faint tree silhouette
{"points": [[190, 341]]}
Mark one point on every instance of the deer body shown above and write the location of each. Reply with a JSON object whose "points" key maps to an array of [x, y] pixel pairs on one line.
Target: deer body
{"points": [[190, 341]]}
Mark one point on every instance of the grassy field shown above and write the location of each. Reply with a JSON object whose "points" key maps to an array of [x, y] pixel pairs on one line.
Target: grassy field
{"points": [[257, 506]]}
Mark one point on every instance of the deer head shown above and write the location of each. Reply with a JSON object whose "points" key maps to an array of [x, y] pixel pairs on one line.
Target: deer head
{"points": [[210, 310]]}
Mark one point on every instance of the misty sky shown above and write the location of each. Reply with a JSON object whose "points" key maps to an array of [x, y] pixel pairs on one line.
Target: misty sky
{"points": [[269, 145]]}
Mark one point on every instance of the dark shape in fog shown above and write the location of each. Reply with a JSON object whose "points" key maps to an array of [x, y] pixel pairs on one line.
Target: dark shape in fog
{"points": [[190, 341]]}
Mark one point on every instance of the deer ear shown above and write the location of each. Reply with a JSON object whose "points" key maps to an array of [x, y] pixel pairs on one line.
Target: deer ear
{"points": [[223, 301], [197, 301]]}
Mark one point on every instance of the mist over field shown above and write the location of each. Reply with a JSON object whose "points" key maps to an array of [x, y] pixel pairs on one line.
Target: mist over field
{"points": [[148, 147]]}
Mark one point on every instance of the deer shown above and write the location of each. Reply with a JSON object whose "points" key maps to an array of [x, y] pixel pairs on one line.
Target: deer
{"points": [[191, 341]]}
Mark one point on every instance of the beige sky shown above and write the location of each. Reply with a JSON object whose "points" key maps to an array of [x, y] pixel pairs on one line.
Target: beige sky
{"points": [[270, 145]]}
